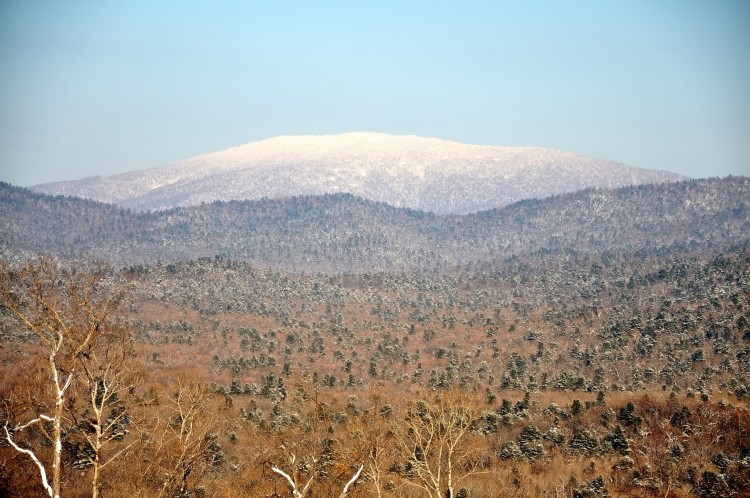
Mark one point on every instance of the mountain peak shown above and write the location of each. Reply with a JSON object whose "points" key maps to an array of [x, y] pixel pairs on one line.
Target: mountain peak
{"points": [[429, 174]]}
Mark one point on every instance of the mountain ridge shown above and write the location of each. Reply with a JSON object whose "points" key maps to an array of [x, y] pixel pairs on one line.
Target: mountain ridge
{"points": [[342, 233], [428, 174]]}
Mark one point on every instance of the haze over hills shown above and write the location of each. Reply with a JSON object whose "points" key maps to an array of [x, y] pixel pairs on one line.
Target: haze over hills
{"points": [[428, 174], [341, 233]]}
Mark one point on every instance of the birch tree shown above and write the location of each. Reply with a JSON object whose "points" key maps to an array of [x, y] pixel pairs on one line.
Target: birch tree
{"points": [[66, 311], [434, 438], [110, 375], [299, 490], [371, 440], [182, 441], [293, 478]]}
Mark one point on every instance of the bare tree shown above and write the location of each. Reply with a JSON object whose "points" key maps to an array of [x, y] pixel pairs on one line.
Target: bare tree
{"points": [[299, 490], [111, 375], [67, 311], [372, 440], [293, 479], [182, 438], [433, 438], [351, 481]]}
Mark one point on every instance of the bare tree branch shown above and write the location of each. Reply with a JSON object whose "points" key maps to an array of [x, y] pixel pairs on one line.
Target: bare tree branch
{"points": [[351, 481], [42, 471]]}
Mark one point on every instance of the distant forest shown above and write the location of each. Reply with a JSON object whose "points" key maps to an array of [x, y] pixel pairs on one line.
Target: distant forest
{"points": [[341, 233]]}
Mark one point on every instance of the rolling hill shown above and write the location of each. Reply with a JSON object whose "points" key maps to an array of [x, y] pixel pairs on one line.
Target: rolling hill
{"points": [[342, 233], [427, 174]]}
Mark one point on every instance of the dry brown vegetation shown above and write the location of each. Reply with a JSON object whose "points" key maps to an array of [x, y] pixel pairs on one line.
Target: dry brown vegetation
{"points": [[474, 385], [606, 364]]}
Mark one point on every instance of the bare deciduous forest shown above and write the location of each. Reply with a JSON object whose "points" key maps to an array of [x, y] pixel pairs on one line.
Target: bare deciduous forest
{"points": [[509, 353]]}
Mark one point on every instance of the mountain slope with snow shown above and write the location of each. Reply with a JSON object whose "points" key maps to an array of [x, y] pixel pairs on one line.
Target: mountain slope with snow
{"points": [[404, 171]]}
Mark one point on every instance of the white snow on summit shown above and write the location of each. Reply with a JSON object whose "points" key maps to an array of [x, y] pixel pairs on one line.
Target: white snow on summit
{"points": [[408, 171]]}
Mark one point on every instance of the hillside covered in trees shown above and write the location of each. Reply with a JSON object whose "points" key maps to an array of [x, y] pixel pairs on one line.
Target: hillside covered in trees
{"points": [[341, 233], [586, 345]]}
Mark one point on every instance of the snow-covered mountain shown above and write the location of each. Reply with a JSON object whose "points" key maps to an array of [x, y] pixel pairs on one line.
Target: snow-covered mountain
{"points": [[404, 171]]}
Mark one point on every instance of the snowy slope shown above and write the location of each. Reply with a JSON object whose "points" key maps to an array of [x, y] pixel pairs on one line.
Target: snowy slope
{"points": [[406, 171]]}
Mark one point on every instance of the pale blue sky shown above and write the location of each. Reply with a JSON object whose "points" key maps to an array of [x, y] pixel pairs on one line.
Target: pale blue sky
{"points": [[101, 87]]}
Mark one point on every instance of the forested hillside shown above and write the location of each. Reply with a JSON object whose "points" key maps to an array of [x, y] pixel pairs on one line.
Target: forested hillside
{"points": [[588, 345], [341, 233]]}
